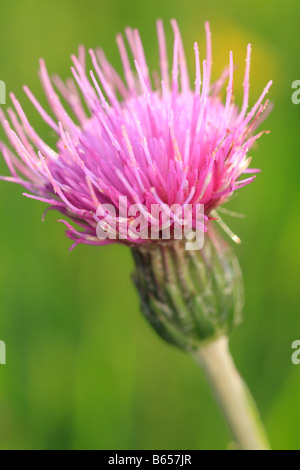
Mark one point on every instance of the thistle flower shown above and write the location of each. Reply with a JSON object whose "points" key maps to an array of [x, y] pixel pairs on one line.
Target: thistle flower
{"points": [[148, 142], [159, 141]]}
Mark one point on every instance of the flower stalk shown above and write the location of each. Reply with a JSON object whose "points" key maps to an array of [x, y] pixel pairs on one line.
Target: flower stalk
{"points": [[232, 395]]}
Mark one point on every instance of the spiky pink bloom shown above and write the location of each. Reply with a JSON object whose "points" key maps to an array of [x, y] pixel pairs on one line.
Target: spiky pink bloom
{"points": [[154, 140]]}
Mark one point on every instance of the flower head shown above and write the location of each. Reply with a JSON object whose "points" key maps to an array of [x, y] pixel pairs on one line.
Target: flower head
{"points": [[147, 140]]}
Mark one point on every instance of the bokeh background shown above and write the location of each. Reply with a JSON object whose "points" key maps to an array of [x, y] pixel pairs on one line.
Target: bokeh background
{"points": [[84, 370]]}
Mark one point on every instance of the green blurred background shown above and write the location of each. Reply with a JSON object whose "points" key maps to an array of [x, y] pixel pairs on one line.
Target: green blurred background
{"points": [[84, 370]]}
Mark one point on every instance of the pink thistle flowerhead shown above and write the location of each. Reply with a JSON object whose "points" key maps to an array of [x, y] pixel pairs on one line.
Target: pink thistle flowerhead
{"points": [[134, 141]]}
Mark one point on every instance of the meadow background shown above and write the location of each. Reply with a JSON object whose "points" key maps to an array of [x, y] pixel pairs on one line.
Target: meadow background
{"points": [[84, 370]]}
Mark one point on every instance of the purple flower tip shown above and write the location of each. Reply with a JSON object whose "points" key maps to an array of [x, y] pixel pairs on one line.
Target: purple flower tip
{"points": [[153, 139]]}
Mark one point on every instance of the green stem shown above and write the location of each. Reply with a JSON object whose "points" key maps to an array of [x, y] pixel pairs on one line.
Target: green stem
{"points": [[232, 395]]}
